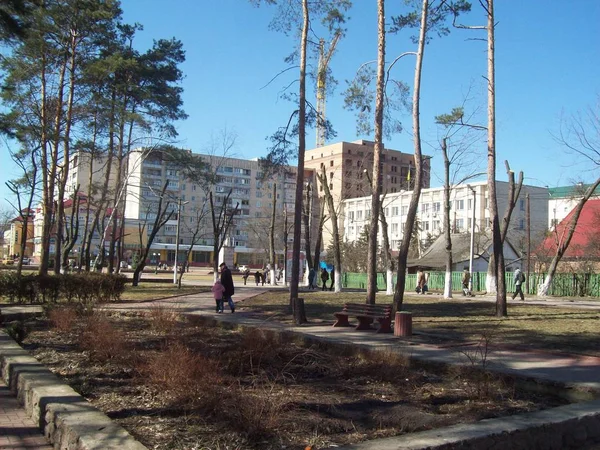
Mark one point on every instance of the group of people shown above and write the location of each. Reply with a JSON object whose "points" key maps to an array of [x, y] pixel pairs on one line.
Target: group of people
{"points": [[325, 277], [262, 277]]}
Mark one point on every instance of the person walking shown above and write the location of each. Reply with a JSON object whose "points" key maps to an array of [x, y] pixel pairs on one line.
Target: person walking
{"points": [[466, 277], [332, 278], [227, 282], [324, 278], [257, 277], [519, 279], [421, 281], [311, 278], [245, 275], [218, 289]]}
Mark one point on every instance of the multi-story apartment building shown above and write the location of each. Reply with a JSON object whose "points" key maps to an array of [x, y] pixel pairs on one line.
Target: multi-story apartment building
{"points": [[356, 212], [236, 182], [345, 164]]}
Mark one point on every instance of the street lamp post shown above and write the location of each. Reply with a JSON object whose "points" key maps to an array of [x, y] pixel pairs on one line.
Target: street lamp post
{"points": [[179, 203]]}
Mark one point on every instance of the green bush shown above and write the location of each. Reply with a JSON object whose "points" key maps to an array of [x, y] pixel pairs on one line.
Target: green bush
{"points": [[84, 288]]}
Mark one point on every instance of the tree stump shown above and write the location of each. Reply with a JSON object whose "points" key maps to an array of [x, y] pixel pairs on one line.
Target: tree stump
{"points": [[403, 324], [298, 311]]}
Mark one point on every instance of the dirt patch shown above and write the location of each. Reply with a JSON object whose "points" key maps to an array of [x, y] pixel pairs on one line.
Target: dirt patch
{"points": [[180, 384]]}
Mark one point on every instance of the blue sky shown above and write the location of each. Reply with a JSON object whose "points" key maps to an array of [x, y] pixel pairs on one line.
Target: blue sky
{"points": [[548, 55]]}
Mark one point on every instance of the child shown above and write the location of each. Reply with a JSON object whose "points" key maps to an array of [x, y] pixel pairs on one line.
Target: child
{"points": [[218, 290]]}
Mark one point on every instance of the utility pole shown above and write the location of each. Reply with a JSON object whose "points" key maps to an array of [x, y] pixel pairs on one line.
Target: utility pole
{"points": [[528, 224]]}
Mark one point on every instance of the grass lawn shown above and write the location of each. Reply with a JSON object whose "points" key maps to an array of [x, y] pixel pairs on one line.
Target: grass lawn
{"points": [[454, 321], [153, 291]]}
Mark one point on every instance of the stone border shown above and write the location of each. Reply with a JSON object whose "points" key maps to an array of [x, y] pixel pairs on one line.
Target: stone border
{"points": [[67, 420]]}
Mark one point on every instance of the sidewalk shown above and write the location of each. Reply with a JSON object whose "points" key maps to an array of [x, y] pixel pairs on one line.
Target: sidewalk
{"points": [[17, 430]]}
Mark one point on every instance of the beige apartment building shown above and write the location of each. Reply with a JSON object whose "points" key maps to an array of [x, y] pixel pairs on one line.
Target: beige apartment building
{"points": [[346, 164], [254, 196]]}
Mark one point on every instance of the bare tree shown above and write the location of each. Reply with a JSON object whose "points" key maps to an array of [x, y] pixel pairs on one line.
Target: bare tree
{"points": [[337, 255], [162, 216], [222, 218], [197, 233], [580, 135]]}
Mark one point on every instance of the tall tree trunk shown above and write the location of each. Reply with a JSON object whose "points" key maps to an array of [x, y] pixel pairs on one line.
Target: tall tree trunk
{"points": [[319, 238], [272, 236], [337, 253], [414, 201], [307, 226], [377, 151], [295, 276], [447, 234]]}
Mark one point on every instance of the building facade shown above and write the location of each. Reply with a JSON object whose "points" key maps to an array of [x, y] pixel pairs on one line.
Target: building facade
{"points": [[237, 187], [465, 201]]}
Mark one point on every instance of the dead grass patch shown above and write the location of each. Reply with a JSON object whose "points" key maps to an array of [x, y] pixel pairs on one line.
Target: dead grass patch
{"points": [[211, 387]]}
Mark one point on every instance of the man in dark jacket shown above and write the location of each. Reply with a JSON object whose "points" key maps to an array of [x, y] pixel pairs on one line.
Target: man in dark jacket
{"points": [[227, 282]]}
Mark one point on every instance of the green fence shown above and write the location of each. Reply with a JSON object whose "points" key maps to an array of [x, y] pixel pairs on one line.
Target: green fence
{"points": [[563, 284]]}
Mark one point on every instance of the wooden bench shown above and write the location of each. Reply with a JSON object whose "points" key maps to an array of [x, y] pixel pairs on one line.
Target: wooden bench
{"points": [[366, 315]]}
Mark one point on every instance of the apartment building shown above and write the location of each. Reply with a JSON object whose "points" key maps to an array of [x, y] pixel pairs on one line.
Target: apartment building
{"points": [[345, 164], [465, 201], [237, 182]]}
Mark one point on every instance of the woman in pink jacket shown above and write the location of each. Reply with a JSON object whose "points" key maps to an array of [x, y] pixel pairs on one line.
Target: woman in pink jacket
{"points": [[218, 289]]}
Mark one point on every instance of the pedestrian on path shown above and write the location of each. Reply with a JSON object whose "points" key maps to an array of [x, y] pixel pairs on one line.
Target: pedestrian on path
{"points": [[466, 277], [332, 278], [218, 289], [227, 281], [324, 278], [311, 278], [519, 279]]}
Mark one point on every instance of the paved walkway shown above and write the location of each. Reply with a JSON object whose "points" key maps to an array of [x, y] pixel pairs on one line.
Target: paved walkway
{"points": [[17, 430], [579, 371]]}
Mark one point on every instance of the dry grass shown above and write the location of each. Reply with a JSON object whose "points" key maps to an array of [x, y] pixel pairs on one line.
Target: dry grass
{"points": [[163, 318], [527, 326], [63, 318], [212, 387], [154, 291]]}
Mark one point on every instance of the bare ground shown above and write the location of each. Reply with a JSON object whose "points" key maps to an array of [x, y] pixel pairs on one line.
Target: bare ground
{"points": [[178, 383]]}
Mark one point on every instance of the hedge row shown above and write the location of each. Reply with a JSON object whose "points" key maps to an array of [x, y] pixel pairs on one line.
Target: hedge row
{"points": [[84, 287]]}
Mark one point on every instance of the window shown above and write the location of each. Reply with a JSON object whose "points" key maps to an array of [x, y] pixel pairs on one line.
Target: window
{"points": [[351, 215], [436, 207], [395, 228], [435, 225], [425, 208], [331, 175], [460, 224], [521, 224], [394, 169], [459, 204], [394, 210], [522, 204], [330, 163], [425, 226], [404, 210], [258, 204], [358, 215]]}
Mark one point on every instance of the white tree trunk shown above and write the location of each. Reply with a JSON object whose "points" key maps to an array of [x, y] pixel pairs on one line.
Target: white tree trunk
{"points": [[491, 284], [448, 285], [389, 282], [272, 277], [337, 283]]}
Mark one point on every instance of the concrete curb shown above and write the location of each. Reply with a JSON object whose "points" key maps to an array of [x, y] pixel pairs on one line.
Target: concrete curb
{"points": [[67, 420]]}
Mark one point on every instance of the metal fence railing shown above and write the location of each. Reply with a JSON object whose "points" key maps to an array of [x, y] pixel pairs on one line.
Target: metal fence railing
{"points": [[563, 284]]}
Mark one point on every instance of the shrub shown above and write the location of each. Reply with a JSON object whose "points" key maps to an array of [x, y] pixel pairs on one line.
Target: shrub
{"points": [[101, 339], [184, 376], [63, 318], [163, 318]]}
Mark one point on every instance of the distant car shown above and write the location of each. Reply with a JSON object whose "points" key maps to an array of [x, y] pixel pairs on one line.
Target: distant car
{"points": [[242, 268], [26, 261]]}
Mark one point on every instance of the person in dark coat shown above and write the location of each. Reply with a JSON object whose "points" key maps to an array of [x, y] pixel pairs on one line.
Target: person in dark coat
{"points": [[227, 282], [311, 278], [332, 278], [324, 278]]}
